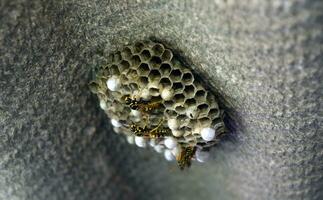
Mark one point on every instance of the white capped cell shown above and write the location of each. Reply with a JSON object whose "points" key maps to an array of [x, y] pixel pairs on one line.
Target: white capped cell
{"points": [[169, 155], [202, 156], [116, 123], [113, 83], [177, 133], [170, 142], [167, 94], [131, 139], [140, 141], [152, 142], [173, 124], [103, 105], [208, 133], [145, 94], [176, 151], [136, 113], [159, 148]]}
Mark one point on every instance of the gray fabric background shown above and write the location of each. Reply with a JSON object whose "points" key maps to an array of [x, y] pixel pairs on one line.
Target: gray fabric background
{"points": [[264, 58]]}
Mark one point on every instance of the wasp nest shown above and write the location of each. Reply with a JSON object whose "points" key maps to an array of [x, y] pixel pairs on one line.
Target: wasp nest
{"points": [[153, 98]]}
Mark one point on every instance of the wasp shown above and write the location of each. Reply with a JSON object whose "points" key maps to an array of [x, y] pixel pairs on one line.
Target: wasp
{"points": [[142, 105], [185, 157], [156, 132]]}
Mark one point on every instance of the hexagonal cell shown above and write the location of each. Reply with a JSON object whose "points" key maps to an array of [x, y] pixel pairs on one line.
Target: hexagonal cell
{"points": [[135, 61], [167, 55], [178, 87], [170, 113], [189, 91], [143, 69], [154, 91], [210, 98], [158, 49], [203, 109], [123, 78], [191, 111], [117, 57], [181, 118], [218, 125], [145, 55], [165, 69], [154, 75], [155, 62], [179, 98], [132, 73], [138, 47], [133, 86], [190, 102], [105, 72], [114, 70], [187, 78], [165, 82], [94, 87], [180, 109], [214, 113], [205, 122], [175, 75], [168, 104], [200, 95], [143, 80], [124, 65], [126, 53]]}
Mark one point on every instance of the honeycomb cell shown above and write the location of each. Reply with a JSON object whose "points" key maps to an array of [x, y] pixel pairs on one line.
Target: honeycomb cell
{"points": [[167, 55], [117, 57], [203, 109], [114, 70], [143, 80], [126, 53], [123, 78], [214, 113], [168, 104], [132, 74], [205, 122], [192, 112], [123, 65], [145, 55], [200, 96], [158, 49], [210, 98], [170, 113], [154, 75], [143, 69], [179, 98], [187, 78], [155, 62], [94, 87], [190, 102], [138, 47], [178, 87], [154, 91], [165, 82], [135, 61], [189, 91], [165, 69], [180, 109], [181, 118], [176, 75], [133, 86]]}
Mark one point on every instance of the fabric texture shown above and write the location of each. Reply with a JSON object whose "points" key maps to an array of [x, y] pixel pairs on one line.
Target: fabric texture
{"points": [[263, 58]]}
